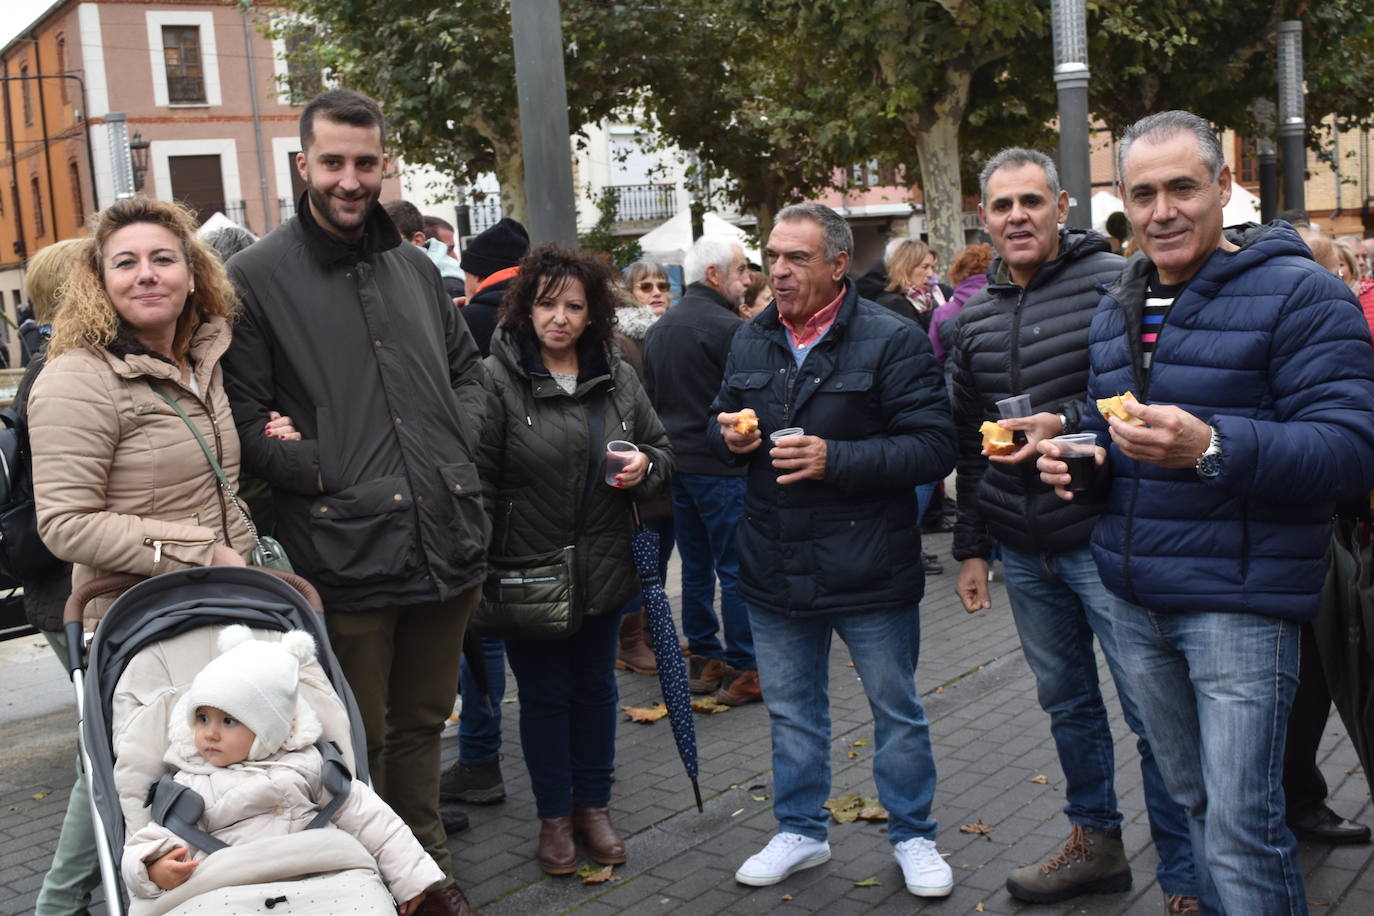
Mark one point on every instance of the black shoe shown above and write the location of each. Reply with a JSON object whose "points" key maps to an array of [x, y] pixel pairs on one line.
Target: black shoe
{"points": [[474, 785], [455, 819], [1322, 825], [932, 564]]}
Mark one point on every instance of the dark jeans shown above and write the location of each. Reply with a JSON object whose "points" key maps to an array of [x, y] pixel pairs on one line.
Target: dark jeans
{"points": [[479, 724], [1304, 787], [567, 714], [706, 512]]}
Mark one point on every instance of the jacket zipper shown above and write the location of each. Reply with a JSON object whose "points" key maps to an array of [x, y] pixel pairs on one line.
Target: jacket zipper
{"points": [[505, 534], [156, 544], [1014, 377]]}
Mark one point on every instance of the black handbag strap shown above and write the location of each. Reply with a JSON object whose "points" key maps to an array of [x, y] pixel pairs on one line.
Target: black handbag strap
{"points": [[210, 457]]}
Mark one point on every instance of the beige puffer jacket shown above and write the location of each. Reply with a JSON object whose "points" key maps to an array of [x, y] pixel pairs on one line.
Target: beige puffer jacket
{"points": [[120, 484], [278, 795]]}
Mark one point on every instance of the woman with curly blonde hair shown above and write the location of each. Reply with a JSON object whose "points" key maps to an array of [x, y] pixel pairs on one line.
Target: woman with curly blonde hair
{"points": [[120, 482]]}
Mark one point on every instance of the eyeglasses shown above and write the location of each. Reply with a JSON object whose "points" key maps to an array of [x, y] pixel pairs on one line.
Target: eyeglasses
{"points": [[648, 286]]}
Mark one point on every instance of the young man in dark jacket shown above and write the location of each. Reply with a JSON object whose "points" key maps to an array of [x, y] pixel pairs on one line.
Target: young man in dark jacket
{"points": [[490, 262], [1026, 333], [349, 332], [829, 541], [684, 360], [1255, 378]]}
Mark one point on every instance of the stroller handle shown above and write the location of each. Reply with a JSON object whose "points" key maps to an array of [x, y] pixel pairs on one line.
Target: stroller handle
{"points": [[75, 608]]}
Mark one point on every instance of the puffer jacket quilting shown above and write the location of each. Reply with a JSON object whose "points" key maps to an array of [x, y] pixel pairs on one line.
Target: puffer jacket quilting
{"points": [[1032, 341], [1274, 352], [533, 463]]}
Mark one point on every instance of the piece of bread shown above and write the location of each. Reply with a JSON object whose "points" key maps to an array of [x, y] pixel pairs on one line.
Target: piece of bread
{"points": [[1111, 407], [747, 421], [997, 440]]}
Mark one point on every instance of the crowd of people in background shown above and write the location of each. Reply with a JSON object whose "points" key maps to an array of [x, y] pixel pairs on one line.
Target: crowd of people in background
{"points": [[410, 417]]}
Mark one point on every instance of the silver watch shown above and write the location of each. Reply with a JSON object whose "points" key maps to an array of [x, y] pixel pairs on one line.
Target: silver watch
{"points": [[1209, 462]]}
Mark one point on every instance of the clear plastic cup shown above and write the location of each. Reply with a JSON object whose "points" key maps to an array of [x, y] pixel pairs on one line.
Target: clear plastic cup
{"points": [[784, 433], [619, 454], [1018, 405], [1079, 452]]}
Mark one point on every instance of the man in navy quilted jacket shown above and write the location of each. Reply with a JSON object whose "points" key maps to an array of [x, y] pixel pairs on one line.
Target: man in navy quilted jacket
{"points": [[1256, 386]]}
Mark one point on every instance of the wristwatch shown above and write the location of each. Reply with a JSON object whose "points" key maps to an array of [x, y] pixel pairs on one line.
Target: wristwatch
{"points": [[1209, 462], [1063, 424]]}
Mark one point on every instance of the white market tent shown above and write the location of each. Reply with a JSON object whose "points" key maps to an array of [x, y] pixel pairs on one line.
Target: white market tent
{"points": [[1104, 204], [669, 242], [1243, 207]]}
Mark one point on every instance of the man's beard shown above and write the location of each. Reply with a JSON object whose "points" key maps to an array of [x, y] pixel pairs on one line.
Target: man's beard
{"points": [[324, 205]]}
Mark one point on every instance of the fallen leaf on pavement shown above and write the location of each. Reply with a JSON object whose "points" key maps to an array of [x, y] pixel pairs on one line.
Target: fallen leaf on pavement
{"points": [[852, 807], [980, 908], [590, 874], [645, 714], [759, 797], [853, 755], [1042, 779], [738, 813], [940, 689], [862, 742], [39, 796], [867, 882], [1311, 902], [980, 829], [709, 705], [786, 896]]}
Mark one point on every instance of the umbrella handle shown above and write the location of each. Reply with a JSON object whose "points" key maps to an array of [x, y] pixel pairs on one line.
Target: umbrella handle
{"points": [[696, 790], [634, 513]]}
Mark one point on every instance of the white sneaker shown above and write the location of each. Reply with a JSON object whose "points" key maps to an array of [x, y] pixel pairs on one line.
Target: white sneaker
{"points": [[925, 871], [784, 854]]}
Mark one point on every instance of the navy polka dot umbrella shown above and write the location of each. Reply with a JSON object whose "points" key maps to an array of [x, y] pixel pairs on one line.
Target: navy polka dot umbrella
{"points": [[672, 671]]}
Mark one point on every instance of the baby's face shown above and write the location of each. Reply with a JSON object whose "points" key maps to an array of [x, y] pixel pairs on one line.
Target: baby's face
{"points": [[220, 738]]}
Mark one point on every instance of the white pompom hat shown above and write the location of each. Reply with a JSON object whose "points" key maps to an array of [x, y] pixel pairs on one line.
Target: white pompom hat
{"points": [[255, 681]]}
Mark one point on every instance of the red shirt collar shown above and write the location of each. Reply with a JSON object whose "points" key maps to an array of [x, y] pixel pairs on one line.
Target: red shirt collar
{"points": [[816, 325]]}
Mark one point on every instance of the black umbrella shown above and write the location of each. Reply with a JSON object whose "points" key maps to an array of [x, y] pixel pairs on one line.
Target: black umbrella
{"points": [[672, 672], [1344, 631]]}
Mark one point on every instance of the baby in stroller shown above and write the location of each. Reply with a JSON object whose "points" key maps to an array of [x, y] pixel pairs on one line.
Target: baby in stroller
{"points": [[244, 740]]}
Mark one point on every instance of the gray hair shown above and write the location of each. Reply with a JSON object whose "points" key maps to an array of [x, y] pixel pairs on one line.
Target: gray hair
{"points": [[1014, 156], [709, 251], [644, 268], [834, 229], [1166, 124]]}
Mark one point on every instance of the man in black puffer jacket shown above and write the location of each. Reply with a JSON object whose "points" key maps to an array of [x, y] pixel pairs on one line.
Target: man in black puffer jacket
{"points": [[1026, 333]]}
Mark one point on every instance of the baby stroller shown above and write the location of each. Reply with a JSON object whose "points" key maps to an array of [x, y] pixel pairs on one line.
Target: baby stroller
{"points": [[149, 645]]}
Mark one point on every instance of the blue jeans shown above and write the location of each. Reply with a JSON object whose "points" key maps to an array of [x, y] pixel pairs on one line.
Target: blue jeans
{"points": [[479, 724], [706, 512], [1214, 691], [923, 494], [794, 664], [567, 714], [1059, 603]]}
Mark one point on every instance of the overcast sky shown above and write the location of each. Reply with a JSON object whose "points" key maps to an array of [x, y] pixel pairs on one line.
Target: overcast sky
{"points": [[17, 16]]}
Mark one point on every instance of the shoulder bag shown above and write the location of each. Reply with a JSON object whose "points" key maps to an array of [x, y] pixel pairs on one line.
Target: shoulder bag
{"points": [[267, 552]]}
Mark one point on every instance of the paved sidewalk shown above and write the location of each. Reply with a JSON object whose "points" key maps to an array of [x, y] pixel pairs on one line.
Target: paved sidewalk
{"points": [[991, 743]]}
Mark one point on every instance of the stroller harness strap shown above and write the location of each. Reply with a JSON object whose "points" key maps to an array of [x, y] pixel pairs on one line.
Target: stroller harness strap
{"points": [[179, 808]]}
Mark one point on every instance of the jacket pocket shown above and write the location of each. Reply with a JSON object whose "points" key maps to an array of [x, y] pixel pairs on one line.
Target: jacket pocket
{"points": [[470, 525], [850, 552], [749, 381], [364, 532]]}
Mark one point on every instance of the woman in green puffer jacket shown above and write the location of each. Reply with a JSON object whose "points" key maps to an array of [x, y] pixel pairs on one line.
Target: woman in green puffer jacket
{"points": [[559, 394]]}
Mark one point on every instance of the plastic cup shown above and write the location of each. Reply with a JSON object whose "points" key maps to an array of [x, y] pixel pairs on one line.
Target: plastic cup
{"points": [[1018, 405], [784, 433], [619, 454], [1079, 452]]}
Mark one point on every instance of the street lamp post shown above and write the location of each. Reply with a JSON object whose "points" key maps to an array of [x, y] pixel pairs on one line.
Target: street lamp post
{"points": [[1268, 156], [1292, 121], [1070, 24], [121, 159], [542, 91]]}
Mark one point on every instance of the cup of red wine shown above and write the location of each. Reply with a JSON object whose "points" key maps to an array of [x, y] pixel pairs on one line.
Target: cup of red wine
{"points": [[1079, 452]]}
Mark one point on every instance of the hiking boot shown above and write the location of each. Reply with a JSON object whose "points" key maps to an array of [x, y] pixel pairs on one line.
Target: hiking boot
{"points": [[455, 819], [1089, 863], [785, 853], [1180, 905], [705, 674], [924, 870], [473, 785], [739, 687], [635, 654]]}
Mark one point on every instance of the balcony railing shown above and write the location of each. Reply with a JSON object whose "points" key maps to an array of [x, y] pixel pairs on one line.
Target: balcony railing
{"points": [[285, 209], [484, 214], [235, 210], [644, 202]]}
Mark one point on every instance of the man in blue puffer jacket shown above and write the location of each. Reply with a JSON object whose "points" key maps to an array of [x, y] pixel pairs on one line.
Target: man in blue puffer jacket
{"points": [[829, 541], [1254, 369]]}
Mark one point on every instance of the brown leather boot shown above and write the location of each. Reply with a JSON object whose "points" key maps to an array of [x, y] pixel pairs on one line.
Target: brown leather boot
{"points": [[447, 901], [557, 853], [634, 653], [592, 826]]}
